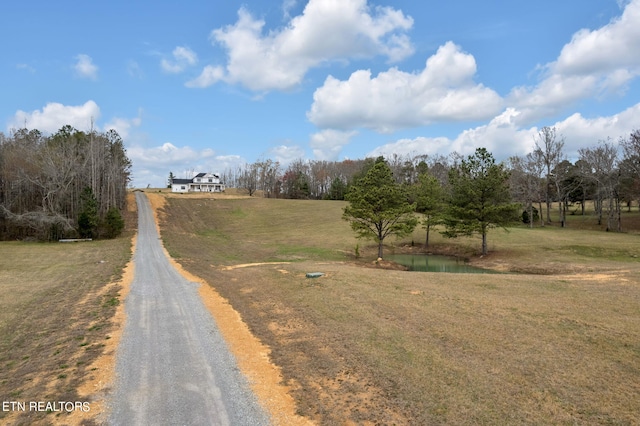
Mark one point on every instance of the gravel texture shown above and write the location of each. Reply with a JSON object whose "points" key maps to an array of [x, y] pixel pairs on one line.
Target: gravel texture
{"points": [[173, 366]]}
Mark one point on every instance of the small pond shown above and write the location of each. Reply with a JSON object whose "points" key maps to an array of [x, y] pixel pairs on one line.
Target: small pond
{"points": [[433, 263]]}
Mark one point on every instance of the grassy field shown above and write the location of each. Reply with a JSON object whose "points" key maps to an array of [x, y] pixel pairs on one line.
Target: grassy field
{"points": [[556, 343], [55, 314]]}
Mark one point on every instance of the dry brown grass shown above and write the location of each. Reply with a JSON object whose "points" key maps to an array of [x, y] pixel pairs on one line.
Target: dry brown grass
{"points": [[57, 302], [371, 346]]}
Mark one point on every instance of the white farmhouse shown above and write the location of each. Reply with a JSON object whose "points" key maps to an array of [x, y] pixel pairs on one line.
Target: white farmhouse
{"points": [[202, 182]]}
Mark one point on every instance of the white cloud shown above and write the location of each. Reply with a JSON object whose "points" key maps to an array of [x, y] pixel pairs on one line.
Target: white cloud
{"points": [[287, 6], [85, 68], [134, 70], [229, 161], [124, 125], [580, 132], [183, 57], [327, 144], [500, 136], [168, 155], [593, 63], [55, 115], [209, 76], [327, 30], [443, 91], [412, 147], [503, 137], [605, 49], [285, 154]]}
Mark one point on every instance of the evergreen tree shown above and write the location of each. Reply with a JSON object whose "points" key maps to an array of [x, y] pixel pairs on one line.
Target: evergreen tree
{"points": [[378, 206], [88, 218], [480, 197], [113, 223], [337, 189]]}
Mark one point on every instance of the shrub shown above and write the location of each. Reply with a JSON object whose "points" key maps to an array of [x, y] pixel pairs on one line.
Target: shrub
{"points": [[525, 216], [88, 218], [113, 223]]}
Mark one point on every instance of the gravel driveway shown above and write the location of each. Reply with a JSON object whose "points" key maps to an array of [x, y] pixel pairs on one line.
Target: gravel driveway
{"points": [[173, 367]]}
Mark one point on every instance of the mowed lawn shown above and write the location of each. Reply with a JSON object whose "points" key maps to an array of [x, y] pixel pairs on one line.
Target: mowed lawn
{"points": [[56, 309], [558, 343]]}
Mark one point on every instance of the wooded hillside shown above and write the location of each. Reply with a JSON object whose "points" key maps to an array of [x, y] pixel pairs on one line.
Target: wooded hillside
{"points": [[69, 184]]}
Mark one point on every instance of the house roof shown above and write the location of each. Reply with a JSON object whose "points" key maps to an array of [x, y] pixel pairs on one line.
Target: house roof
{"points": [[199, 175], [181, 181]]}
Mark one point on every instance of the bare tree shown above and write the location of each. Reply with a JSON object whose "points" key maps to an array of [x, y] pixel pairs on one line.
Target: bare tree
{"points": [[548, 148], [564, 184], [631, 165], [525, 183], [42, 179], [605, 173], [631, 149], [248, 178], [320, 178]]}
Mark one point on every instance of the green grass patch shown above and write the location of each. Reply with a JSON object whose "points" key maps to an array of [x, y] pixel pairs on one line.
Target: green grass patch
{"points": [[237, 212], [601, 252], [292, 252], [111, 301]]}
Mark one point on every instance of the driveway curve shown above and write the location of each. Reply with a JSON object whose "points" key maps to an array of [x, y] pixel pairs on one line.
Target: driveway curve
{"points": [[173, 367]]}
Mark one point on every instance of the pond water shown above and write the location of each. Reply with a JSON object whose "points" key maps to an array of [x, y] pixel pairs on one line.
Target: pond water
{"points": [[433, 263]]}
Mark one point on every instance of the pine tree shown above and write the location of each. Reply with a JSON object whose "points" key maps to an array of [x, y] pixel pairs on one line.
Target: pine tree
{"points": [[480, 197], [378, 206], [88, 218], [337, 189], [113, 223]]}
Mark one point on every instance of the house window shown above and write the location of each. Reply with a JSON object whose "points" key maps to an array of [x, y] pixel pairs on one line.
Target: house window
{"points": [[182, 187], [210, 180]]}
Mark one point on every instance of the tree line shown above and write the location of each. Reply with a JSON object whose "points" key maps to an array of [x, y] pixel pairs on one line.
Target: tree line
{"points": [[607, 174], [69, 184], [466, 195], [325, 180]]}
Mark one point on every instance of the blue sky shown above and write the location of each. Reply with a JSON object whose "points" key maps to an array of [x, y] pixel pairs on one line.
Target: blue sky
{"points": [[206, 85]]}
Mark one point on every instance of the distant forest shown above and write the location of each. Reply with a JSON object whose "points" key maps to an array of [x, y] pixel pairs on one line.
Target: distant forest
{"points": [[66, 185], [607, 174]]}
